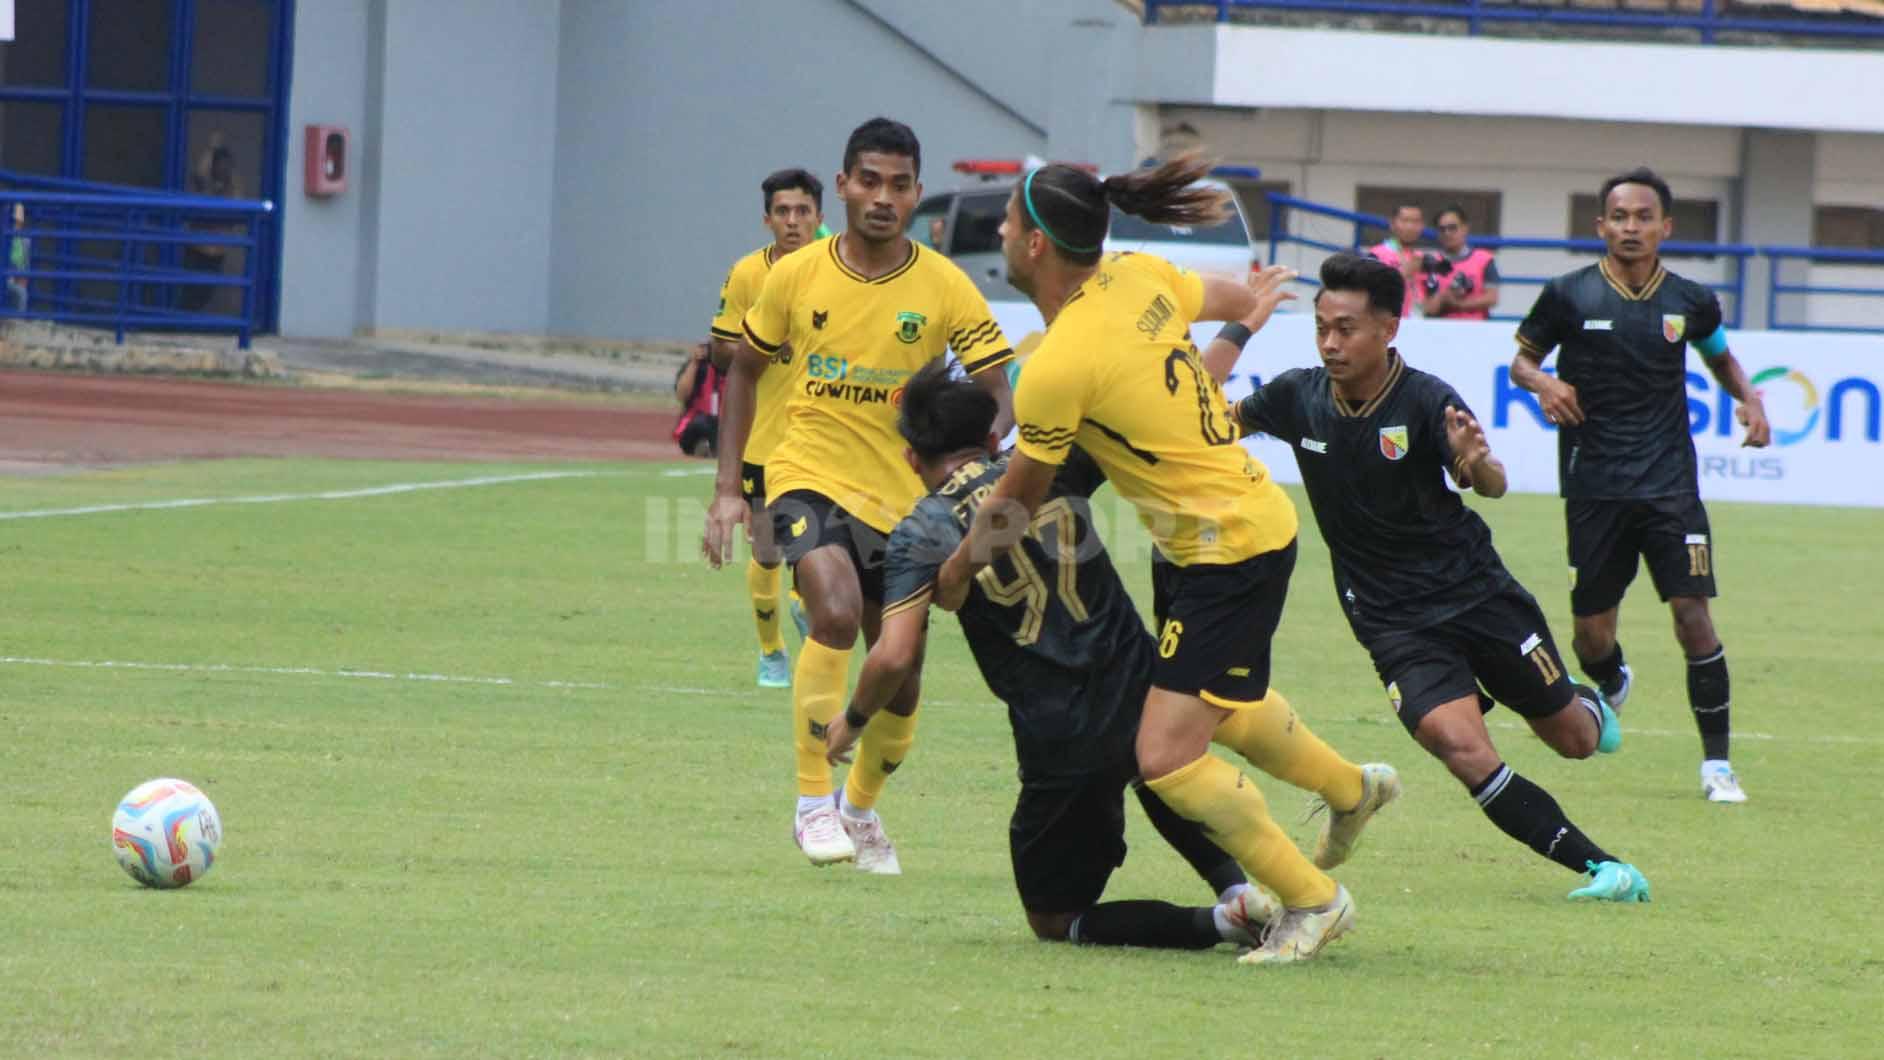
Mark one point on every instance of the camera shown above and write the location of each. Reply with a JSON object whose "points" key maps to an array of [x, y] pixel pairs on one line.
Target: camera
{"points": [[1435, 263]]}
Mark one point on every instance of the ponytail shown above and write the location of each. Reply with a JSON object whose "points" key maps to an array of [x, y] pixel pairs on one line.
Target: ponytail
{"points": [[1169, 193], [1073, 209]]}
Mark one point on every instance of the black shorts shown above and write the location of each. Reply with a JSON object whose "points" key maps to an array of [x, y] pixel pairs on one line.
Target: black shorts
{"points": [[1499, 650], [1215, 623], [752, 484], [1605, 537], [1068, 834], [805, 519]]}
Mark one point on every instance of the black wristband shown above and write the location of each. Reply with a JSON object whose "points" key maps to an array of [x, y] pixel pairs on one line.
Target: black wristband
{"points": [[1235, 334], [854, 719]]}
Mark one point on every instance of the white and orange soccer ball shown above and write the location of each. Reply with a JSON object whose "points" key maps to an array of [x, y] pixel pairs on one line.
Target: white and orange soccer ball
{"points": [[166, 833]]}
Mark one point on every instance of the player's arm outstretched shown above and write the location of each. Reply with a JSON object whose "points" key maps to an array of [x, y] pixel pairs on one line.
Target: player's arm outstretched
{"points": [[1473, 465], [999, 524], [1247, 305], [893, 660]]}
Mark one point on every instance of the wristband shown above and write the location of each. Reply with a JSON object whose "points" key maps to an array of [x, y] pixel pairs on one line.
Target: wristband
{"points": [[854, 719], [1235, 334]]}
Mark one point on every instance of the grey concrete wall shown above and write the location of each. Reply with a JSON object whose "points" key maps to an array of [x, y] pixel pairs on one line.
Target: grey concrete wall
{"points": [[672, 111], [467, 142], [1777, 183], [322, 268], [446, 223]]}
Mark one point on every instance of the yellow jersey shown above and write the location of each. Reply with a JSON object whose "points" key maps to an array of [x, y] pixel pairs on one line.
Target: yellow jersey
{"points": [[1118, 374], [849, 343], [737, 294]]}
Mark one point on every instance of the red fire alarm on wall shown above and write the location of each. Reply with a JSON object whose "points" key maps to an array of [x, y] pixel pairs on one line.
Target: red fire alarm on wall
{"points": [[326, 160]]}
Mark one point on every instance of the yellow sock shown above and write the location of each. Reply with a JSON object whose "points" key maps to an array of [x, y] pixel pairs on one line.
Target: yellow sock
{"points": [[1278, 742], [762, 584], [1211, 792], [817, 697], [884, 745]]}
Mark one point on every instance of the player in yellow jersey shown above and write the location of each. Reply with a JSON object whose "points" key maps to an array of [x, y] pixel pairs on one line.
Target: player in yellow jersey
{"points": [[794, 211], [849, 319], [1118, 374]]}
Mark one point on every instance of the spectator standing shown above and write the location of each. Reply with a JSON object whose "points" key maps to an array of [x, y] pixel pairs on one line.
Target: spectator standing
{"points": [[19, 259], [1461, 281], [697, 388], [1405, 227], [213, 177]]}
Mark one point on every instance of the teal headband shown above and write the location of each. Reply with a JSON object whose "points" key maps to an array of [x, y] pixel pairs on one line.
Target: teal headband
{"points": [[1027, 199]]}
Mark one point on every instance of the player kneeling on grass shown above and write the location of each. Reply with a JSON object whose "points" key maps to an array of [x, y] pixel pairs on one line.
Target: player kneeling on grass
{"points": [[1059, 641], [1449, 629]]}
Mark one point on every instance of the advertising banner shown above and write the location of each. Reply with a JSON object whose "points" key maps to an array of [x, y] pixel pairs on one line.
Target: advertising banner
{"points": [[1824, 396]]}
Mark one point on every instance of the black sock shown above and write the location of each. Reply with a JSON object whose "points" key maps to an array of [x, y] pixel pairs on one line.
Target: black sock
{"points": [[1707, 697], [1143, 922], [1606, 671], [1218, 869], [1528, 814]]}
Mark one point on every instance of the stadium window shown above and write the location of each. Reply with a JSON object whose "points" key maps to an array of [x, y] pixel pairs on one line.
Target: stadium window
{"points": [[1485, 208], [1848, 227], [1254, 197], [1696, 220]]}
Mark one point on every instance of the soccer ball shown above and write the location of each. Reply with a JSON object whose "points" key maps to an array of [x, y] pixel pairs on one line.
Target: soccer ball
{"points": [[165, 833]]}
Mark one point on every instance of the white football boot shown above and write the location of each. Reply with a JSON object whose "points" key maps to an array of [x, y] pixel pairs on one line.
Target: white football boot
{"points": [[1300, 934], [1719, 784], [1380, 785], [822, 837], [875, 852]]}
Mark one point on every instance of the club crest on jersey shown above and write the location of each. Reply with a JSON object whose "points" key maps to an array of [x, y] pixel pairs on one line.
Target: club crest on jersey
{"points": [[818, 317], [1393, 442], [1674, 325], [909, 326]]}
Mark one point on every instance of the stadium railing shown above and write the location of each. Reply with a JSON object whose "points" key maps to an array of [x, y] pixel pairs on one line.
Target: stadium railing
{"points": [[1281, 207], [107, 255], [1708, 20], [1827, 295]]}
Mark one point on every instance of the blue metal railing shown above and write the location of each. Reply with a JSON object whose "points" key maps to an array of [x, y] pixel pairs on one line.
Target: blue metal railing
{"points": [[1709, 22], [106, 255], [1280, 206], [1776, 286]]}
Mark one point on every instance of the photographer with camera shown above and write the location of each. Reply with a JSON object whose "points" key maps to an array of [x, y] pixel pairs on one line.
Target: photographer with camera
{"points": [[1461, 282], [1406, 225]]}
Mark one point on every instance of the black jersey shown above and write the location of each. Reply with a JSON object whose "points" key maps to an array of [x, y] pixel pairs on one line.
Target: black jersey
{"points": [[1624, 351], [1407, 552], [1050, 625]]}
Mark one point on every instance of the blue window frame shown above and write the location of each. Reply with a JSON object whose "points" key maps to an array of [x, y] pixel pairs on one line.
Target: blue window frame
{"points": [[135, 91]]}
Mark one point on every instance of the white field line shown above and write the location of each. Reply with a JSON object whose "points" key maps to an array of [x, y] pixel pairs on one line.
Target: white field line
{"points": [[734, 693], [1627, 731], [294, 671], [324, 495]]}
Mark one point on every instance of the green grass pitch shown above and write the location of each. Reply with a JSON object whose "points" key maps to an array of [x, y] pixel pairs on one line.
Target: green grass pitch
{"points": [[496, 782]]}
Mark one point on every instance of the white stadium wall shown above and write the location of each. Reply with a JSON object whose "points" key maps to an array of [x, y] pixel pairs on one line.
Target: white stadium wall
{"points": [[673, 110], [590, 168], [1824, 397]]}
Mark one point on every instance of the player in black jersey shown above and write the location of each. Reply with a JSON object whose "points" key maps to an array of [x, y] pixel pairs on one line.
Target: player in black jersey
{"points": [[1625, 458], [1449, 629], [1060, 642]]}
